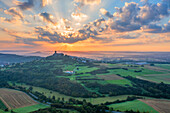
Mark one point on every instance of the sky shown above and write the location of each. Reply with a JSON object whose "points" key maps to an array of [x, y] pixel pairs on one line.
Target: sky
{"points": [[85, 25]]}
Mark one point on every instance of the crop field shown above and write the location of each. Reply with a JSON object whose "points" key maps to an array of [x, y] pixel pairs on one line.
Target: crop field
{"points": [[15, 99], [50, 93], [158, 78], [135, 105], [162, 106]]}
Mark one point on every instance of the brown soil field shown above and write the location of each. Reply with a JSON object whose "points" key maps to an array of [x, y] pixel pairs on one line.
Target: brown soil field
{"points": [[110, 77], [15, 99], [160, 105]]}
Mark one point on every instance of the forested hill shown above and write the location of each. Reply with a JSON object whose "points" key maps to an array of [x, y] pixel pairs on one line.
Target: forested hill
{"points": [[12, 58]]}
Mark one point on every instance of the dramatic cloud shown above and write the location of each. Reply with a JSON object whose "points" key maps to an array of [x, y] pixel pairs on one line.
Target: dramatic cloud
{"points": [[132, 16], [85, 21], [152, 12], [125, 18], [47, 17], [26, 5]]}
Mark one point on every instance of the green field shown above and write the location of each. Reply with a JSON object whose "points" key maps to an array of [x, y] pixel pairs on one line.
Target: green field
{"points": [[50, 93], [30, 108], [135, 105], [27, 109], [120, 82]]}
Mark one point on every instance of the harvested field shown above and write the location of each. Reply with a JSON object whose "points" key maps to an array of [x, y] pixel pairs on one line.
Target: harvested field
{"points": [[15, 99], [110, 77], [162, 106]]}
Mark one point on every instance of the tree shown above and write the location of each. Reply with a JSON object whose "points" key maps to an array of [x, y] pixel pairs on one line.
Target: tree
{"points": [[63, 99], [53, 97]]}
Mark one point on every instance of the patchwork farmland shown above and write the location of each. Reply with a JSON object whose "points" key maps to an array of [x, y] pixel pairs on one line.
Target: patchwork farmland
{"points": [[13, 99]]}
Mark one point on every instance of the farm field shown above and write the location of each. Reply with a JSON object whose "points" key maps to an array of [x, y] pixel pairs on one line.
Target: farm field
{"points": [[158, 78], [115, 79], [13, 99], [150, 73], [135, 105], [162, 106], [164, 66], [30, 108], [27, 109], [50, 93]]}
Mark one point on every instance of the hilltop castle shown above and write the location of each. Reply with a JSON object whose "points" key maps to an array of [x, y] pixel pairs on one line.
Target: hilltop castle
{"points": [[58, 54]]}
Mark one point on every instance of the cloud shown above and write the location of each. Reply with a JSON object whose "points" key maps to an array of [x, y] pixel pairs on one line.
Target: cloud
{"points": [[167, 27], [151, 13], [152, 28], [88, 2], [47, 17], [106, 13], [126, 37], [13, 20], [125, 18], [45, 2], [133, 17], [26, 5], [64, 37], [15, 13], [79, 16]]}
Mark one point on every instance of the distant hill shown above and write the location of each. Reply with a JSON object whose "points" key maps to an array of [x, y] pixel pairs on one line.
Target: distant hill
{"points": [[12, 58]]}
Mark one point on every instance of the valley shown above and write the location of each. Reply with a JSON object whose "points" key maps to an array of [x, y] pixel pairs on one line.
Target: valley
{"points": [[66, 77]]}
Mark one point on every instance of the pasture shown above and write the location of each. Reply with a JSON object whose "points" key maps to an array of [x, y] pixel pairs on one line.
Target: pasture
{"points": [[13, 99], [162, 106], [135, 105]]}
